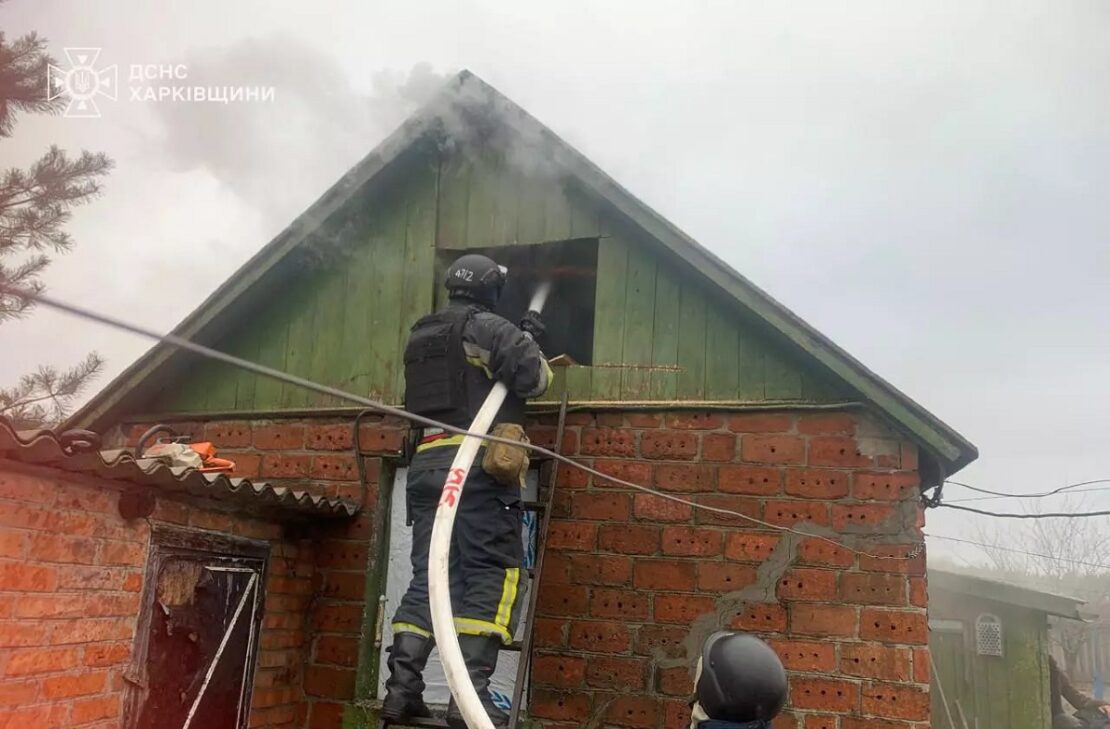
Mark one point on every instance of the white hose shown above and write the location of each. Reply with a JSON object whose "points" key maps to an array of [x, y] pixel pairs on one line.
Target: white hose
{"points": [[439, 592]]}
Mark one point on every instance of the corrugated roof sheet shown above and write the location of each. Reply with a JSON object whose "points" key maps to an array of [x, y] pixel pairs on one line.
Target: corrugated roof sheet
{"points": [[68, 453]]}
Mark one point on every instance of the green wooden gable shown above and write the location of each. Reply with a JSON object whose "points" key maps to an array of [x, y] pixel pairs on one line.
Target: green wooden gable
{"points": [[333, 297]]}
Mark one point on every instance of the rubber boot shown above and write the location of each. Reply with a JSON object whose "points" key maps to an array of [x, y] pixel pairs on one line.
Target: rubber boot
{"points": [[480, 653], [404, 697]]}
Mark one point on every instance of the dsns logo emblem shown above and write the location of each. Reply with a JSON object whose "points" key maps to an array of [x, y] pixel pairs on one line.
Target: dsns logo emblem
{"points": [[82, 83]]}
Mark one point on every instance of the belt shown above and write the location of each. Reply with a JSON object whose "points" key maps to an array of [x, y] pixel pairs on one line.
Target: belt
{"points": [[439, 440]]}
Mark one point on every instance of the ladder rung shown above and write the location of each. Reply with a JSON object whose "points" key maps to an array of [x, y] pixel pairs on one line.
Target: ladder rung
{"points": [[535, 506], [516, 646]]}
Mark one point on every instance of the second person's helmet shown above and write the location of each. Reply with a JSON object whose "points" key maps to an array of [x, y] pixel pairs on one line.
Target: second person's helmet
{"points": [[476, 277], [741, 679]]}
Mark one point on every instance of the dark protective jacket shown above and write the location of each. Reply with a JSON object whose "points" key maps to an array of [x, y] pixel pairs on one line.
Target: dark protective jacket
{"points": [[454, 356], [1059, 687]]}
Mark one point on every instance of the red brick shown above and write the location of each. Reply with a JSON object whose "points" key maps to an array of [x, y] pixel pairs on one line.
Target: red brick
{"points": [[724, 576], [122, 553], [19, 577], [657, 508], [812, 483], [629, 538], [789, 513], [559, 706], [113, 605], [279, 437], [640, 712], [64, 687], [340, 650], [750, 546], [12, 544], [619, 604], [695, 421], [820, 721], [817, 551], [247, 465], [334, 468], [862, 588], [845, 516], [342, 555], [922, 665], [644, 420], [602, 506], [572, 478], [572, 536], [899, 565], [858, 722], [785, 449], [608, 442], [599, 570], [376, 438], [60, 548], [827, 424], [919, 592], [228, 434], [823, 694], [908, 456], [751, 480], [745, 506], [893, 701], [719, 447], [669, 445], [661, 641], [889, 486], [675, 681], [13, 634], [21, 487], [580, 418], [611, 420], [132, 582], [683, 609], [329, 437], [691, 542], [107, 654], [805, 655], [86, 500], [93, 630], [49, 606], [869, 660], [600, 636], [329, 682], [17, 693], [808, 584], [761, 618], [836, 451], [285, 465], [613, 672], [338, 617], [41, 660], [894, 626], [559, 671], [550, 633], [563, 599], [635, 472], [676, 712], [342, 585], [823, 620], [657, 574], [89, 710], [761, 423], [685, 478], [211, 520]]}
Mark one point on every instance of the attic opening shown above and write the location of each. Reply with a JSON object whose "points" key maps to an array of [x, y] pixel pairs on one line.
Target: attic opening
{"points": [[571, 266]]}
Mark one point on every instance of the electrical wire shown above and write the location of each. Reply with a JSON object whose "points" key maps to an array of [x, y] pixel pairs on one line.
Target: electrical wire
{"points": [[284, 377], [1004, 494], [996, 498], [1011, 515], [1018, 551]]}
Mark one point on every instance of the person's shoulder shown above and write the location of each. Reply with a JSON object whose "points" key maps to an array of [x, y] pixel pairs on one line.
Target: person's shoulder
{"points": [[493, 321]]}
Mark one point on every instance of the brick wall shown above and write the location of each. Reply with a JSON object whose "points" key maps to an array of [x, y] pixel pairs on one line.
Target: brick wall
{"points": [[634, 583], [71, 580], [316, 454]]}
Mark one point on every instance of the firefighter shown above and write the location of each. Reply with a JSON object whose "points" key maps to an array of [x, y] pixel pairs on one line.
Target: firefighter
{"points": [[452, 360], [740, 683]]}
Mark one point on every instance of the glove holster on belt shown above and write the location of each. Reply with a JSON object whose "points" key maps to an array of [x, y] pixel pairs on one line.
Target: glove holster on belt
{"points": [[506, 463]]}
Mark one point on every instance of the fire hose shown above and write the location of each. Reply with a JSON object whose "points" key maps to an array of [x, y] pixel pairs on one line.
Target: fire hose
{"points": [[439, 592]]}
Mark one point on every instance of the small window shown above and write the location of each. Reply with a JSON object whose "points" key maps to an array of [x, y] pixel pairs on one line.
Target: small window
{"points": [[988, 635], [569, 312]]}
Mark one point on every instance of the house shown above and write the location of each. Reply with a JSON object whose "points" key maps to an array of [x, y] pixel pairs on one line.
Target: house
{"points": [[990, 646], [685, 377]]}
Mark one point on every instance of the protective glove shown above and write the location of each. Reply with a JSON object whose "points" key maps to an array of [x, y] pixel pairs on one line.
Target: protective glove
{"points": [[532, 324]]}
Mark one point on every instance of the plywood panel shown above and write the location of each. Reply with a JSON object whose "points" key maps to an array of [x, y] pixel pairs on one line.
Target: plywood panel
{"points": [[301, 339], [664, 340], [691, 343], [418, 281], [612, 277], [639, 322], [721, 354]]}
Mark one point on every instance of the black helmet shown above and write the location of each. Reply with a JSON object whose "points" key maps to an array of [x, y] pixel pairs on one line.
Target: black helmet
{"points": [[741, 679], [476, 277]]}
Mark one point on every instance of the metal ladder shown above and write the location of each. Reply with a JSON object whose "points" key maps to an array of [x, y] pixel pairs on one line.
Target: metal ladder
{"points": [[541, 507]]}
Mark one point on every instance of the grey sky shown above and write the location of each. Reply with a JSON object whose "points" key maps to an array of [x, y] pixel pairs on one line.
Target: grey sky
{"points": [[923, 182]]}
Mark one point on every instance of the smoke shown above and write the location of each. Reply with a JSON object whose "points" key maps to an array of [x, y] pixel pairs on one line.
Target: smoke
{"points": [[279, 156]]}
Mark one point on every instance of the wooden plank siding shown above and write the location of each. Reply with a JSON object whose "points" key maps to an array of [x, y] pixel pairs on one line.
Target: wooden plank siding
{"points": [[343, 315]]}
